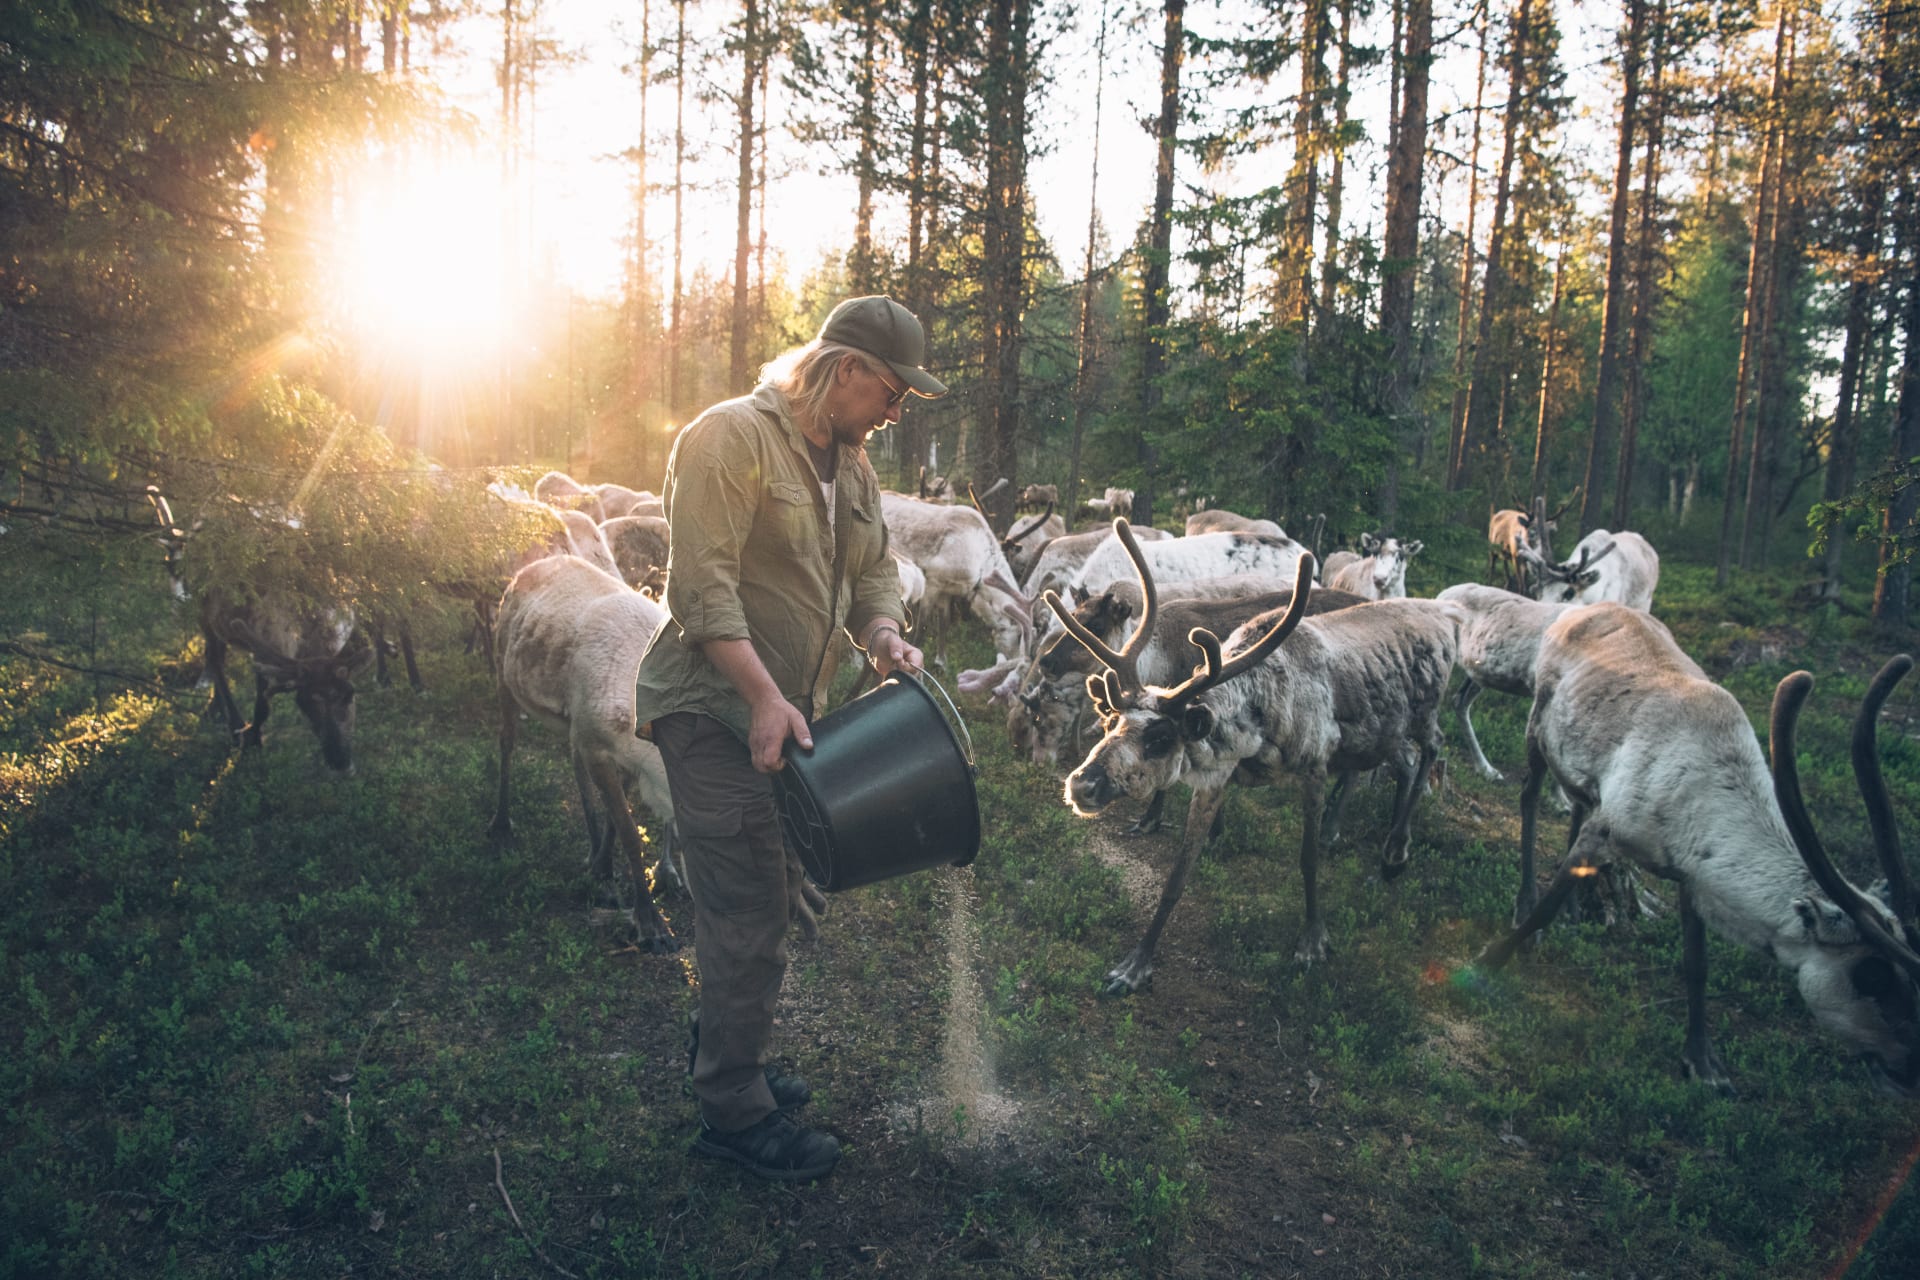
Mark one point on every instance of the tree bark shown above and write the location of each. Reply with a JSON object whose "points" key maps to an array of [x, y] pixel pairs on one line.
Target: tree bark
{"points": [[676, 310], [1600, 458], [1406, 174], [1751, 331], [1490, 368], [737, 374], [1891, 588], [1463, 349], [1154, 279], [1640, 327], [1083, 373]]}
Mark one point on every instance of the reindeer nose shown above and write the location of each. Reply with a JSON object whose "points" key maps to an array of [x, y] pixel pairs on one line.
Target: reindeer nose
{"points": [[1089, 788]]}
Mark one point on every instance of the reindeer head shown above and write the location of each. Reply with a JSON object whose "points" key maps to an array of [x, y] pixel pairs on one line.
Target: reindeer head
{"points": [[1043, 718], [1390, 559], [1150, 735], [322, 686], [1860, 973], [1563, 582]]}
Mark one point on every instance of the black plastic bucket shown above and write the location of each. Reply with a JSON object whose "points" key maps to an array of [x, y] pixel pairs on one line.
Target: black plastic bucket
{"points": [[887, 789]]}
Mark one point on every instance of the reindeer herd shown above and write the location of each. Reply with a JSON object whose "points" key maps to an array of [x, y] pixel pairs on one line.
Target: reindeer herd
{"points": [[1109, 659]]}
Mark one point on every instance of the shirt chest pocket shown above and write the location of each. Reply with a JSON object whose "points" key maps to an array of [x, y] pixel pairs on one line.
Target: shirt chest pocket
{"points": [[791, 514]]}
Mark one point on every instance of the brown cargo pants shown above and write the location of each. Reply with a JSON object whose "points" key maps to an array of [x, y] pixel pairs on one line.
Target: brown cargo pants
{"points": [[737, 871]]}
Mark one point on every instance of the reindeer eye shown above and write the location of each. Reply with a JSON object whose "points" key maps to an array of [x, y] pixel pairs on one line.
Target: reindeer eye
{"points": [[1159, 739]]}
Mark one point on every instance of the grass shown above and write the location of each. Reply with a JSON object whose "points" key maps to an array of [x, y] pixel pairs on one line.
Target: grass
{"points": [[265, 1022]]}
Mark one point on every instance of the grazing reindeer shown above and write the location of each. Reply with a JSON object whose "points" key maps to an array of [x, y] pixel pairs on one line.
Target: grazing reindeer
{"points": [[1516, 539], [312, 651], [1499, 645], [1353, 690], [569, 638], [1663, 769]]}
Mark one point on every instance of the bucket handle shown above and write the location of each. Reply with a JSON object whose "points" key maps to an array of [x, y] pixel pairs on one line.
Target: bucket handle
{"points": [[959, 721]]}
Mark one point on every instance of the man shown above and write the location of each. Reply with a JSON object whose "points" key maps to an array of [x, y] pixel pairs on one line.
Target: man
{"points": [[764, 494]]}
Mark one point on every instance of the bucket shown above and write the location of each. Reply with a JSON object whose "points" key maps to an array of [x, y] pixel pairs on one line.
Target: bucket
{"points": [[887, 789]]}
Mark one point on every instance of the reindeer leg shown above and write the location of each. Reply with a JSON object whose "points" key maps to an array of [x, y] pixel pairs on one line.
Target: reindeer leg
{"points": [[1313, 943], [1529, 896], [1406, 795], [1134, 972], [1702, 1062], [222, 704], [406, 652], [1148, 822], [1581, 859], [1463, 711], [655, 937], [599, 825], [1335, 810], [262, 704], [502, 826]]}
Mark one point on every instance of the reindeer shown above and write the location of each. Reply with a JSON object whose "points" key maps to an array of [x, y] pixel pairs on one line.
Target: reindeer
{"points": [[1664, 770], [1044, 715], [1354, 690], [1379, 572], [569, 638], [1024, 543], [1035, 496], [1515, 538], [1621, 567], [312, 650]]}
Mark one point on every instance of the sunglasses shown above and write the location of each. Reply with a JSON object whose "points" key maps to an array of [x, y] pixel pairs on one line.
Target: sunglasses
{"points": [[895, 397]]}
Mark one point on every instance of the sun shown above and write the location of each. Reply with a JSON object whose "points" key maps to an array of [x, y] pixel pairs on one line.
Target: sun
{"points": [[420, 268]]}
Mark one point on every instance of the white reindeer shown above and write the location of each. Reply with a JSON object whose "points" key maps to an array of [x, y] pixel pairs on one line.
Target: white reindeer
{"points": [[1353, 690], [569, 638], [1499, 645], [1664, 770], [1380, 573], [1619, 567]]}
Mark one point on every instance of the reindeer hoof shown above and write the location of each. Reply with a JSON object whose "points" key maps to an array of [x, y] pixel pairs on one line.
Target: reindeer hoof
{"points": [[1141, 827], [1129, 976], [1312, 949], [501, 828], [1391, 870]]}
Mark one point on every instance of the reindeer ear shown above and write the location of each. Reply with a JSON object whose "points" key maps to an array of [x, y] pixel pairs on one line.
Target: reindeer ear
{"points": [[1196, 722], [1826, 923], [1097, 690], [1415, 547]]}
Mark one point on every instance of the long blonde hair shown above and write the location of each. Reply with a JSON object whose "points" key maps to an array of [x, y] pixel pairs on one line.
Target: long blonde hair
{"points": [[805, 374]]}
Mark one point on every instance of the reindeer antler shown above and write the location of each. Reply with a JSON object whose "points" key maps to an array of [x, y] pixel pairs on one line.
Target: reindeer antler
{"points": [[1012, 540], [1217, 670], [1873, 789], [1787, 701], [1125, 663]]}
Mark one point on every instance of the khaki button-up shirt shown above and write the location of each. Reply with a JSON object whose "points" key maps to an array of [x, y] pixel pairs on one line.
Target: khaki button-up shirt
{"points": [[752, 558]]}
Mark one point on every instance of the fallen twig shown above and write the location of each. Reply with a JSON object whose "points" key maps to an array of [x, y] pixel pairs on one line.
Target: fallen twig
{"points": [[499, 1181]]}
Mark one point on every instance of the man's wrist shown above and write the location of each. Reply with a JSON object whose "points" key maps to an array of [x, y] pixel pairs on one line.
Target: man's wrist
{"points": [[874, 632]]}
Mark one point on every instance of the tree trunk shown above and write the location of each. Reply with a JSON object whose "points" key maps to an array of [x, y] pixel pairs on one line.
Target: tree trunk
{"points": [[1490, 368], [676, 310], [919, 54], [861, 266], [750, 54], [1336, 181], [1751, 331], [1891, 587], [1537, 486], [1154, 278], [1613, 315], [1640, 328], [1406, 173], [1083, 374], [1003, 245], [1303, 179], [1462, 349]]}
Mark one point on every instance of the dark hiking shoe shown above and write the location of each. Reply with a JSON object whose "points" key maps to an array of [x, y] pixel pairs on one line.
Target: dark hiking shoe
{"points": [[774, 1148], [790, 1093]]}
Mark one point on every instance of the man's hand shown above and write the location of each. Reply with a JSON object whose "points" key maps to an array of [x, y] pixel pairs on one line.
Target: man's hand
{"points": [[774, 721], [890, 651]]}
